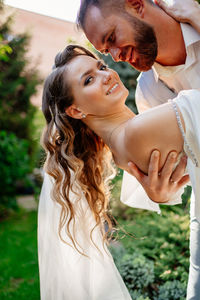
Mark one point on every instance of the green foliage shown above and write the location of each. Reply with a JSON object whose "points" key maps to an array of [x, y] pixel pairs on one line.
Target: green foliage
{"points": [[161, 240], [135, 295], [18, 82], [136, 270], [172, 290], [4, 50], [19, 264], [14, 165]]}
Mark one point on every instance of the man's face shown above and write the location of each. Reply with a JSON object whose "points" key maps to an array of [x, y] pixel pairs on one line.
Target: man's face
{"points": [[125, 37]]}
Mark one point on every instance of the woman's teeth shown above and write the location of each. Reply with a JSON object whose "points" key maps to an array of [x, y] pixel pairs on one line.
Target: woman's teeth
{"points": [[112, 89]]}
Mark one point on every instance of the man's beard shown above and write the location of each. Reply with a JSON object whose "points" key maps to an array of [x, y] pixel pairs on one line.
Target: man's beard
{"points": [[146, 44]]}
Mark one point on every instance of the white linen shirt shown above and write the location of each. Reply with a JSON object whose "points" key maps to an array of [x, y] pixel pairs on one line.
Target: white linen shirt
{"points": [[155, 87]]}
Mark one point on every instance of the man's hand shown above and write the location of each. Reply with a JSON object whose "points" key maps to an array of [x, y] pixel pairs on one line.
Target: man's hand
{"points": [[161, 186], [183, 11]]}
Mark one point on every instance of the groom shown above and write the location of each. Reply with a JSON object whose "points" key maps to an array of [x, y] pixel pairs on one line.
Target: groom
{"points": [[140, 33]]}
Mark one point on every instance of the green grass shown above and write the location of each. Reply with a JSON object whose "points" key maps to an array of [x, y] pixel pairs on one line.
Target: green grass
{"points": [[19, 277]]}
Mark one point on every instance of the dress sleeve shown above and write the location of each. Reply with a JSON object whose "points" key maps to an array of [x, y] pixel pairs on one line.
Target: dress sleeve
{"points": [[188, 103]]}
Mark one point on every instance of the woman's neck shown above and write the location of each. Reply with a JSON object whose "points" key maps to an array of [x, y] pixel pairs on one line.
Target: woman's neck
{"points": [[107, 126]]}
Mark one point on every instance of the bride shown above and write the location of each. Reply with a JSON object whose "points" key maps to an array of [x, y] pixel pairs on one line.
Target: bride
{"points": [[74, 261], [84, 106]]}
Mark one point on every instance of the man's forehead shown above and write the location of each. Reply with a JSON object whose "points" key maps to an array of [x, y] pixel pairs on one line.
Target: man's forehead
{"points": [[96, 26]]}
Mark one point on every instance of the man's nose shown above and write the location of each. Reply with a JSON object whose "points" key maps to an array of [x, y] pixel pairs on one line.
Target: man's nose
{"points": [[115, 52]]}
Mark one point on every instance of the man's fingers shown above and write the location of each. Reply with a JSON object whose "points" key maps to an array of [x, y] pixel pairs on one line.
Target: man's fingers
{"points": [[180, 169], [167, 169], [133, 169], [183, 181], [154, 166]]}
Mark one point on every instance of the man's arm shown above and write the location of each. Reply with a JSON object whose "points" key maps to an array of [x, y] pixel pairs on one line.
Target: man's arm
{"points": [[160, 187], [187, 11]]}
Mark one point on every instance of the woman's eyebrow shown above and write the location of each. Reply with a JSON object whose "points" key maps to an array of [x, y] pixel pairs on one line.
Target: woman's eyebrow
{"points": [[99, 62]]}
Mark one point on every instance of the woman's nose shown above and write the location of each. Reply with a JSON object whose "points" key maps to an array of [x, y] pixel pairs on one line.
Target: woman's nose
{"points": [[107, 77]]}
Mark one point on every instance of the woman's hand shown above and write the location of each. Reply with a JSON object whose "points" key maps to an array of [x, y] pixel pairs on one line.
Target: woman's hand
{"points": [[183, 11], [161, 186]]}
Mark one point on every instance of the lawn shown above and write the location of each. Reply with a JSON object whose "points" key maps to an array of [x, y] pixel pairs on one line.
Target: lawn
{"points": [[18, 251]]}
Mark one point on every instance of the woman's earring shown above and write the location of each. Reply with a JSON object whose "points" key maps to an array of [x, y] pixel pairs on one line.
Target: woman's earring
{"points": [[83, 116]]}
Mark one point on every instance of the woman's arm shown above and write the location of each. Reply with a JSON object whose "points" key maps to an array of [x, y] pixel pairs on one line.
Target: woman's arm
{"points": [[157, 129], [183, 11], [154, 129]]}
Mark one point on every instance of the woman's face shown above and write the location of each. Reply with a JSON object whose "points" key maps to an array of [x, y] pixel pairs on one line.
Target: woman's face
{"points": [[97, 90]]}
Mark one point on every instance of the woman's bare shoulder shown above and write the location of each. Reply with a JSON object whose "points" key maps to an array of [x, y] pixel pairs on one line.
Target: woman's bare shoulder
{"points": [[156, 128]]}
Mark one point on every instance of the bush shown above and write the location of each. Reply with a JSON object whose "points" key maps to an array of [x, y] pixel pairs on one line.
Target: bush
{"points": [[135, 295], [14, 165], [136, 271], [172, 290], [160, 244]]}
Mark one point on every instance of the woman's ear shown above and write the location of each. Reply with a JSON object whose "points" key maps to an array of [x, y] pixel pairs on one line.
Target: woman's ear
{"points": [[73, 112], [136, 7]]}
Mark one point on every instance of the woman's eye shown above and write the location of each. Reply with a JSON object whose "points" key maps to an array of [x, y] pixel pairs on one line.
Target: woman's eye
{"points": [[103, 67], [88, 80]]}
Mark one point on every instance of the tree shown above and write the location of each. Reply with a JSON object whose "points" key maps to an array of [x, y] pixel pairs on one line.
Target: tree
{"points": [[18, 82]]}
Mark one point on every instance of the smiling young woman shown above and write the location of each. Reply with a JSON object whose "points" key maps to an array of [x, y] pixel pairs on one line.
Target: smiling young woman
{"points": [[85, 111]]}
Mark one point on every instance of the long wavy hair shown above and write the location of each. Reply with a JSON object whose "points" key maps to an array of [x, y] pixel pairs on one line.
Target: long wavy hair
{"points": [[76, 156]]}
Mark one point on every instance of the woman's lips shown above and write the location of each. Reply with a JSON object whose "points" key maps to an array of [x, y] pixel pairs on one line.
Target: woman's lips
{"points": [[112, 88]]}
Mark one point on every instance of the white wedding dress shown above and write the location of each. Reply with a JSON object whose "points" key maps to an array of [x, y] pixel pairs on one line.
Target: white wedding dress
{"points": [[65, 274]]}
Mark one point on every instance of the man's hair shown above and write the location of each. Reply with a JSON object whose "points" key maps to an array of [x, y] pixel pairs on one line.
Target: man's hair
{"points": [[109, 4], [86, 4]]}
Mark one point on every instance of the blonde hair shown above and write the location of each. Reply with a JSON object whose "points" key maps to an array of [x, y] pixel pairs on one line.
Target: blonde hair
{"points": [[73, 148]]}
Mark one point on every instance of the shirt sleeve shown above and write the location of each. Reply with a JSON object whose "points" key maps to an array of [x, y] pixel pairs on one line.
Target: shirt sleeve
{"points": [[151, 92]]}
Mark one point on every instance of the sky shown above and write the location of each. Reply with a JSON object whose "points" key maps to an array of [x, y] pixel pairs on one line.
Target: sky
{"points": [[61, 9]]}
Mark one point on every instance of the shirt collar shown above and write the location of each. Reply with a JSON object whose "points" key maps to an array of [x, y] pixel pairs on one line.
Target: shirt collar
{"points": [[190, 36]]}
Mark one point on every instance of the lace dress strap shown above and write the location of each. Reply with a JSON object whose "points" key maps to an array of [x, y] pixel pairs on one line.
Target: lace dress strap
{"points": [[188, 149]]}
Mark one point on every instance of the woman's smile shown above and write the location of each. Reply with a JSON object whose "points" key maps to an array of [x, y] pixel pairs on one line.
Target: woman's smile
{"points": [[113, 88]]}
